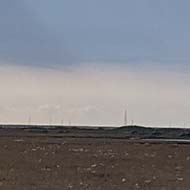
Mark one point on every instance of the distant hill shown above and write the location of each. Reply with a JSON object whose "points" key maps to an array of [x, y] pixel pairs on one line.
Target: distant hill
{"points": [[128, 132], [154, 133]]}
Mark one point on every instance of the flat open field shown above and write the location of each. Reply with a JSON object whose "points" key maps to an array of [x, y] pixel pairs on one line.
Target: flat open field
{"points": [[51, 163]]}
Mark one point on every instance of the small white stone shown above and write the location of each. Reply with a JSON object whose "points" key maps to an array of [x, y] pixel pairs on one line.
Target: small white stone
{"points": [[180, 179], [88, 169], [70, 186], [154, 177], [170, 156], [137, 186], [93, 165], [123, 180], [178, 167], [146, 154], [147, 181]]}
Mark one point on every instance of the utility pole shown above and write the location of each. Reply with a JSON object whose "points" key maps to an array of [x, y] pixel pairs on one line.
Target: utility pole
{"points": [[29, 120], [50, 120], [125, 117]]}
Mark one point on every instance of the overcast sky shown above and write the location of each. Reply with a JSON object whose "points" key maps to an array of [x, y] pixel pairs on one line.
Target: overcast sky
{"points": [[61, 32], [69, 46]]}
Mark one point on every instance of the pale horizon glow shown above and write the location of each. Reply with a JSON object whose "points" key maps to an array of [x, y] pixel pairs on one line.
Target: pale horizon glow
{"points": [[95, 94]]}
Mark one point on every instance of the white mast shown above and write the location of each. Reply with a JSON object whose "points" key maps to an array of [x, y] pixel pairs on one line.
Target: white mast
{"points": [[125, 117], [29, 120]]}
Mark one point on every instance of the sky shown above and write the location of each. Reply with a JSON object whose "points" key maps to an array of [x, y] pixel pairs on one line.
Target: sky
{"points": [[85, 62]]}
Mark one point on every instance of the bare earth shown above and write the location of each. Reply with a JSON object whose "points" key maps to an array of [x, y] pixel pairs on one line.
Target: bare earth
{"points": [[50, 163]]}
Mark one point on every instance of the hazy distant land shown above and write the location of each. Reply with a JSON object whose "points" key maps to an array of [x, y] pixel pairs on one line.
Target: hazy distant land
{"points": [[125, 132]]}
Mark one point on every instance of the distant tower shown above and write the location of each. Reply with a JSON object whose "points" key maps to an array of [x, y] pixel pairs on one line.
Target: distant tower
{"points": [[125, 118], [29, 120], [50, 120]]}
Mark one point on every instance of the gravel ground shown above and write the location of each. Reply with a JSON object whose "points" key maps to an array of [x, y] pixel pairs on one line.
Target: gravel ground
{"points": [[48, 163]]}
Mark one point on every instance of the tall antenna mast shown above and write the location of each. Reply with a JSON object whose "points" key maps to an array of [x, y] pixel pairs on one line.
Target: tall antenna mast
{"points": [[125, 118], [50, 120], [29, 120]]}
